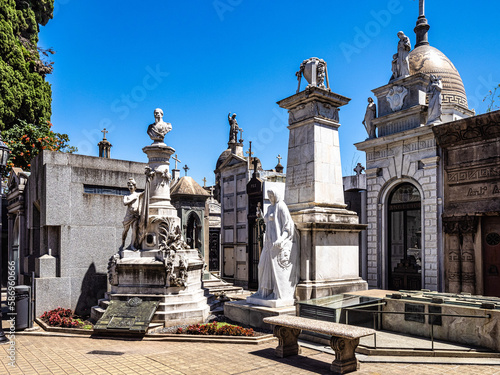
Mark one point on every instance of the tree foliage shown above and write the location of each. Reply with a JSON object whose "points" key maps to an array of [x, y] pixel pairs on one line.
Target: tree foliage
{"points": [[27, 140], [24, 93], [25, 96]]}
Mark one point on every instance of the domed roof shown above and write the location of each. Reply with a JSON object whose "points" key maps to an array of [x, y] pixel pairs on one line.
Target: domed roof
{"points": [[187, 186], [430, 60], [225, 154]]}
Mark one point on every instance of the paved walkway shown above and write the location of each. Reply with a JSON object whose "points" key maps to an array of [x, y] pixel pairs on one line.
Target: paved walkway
{"points": [[83, 355]]}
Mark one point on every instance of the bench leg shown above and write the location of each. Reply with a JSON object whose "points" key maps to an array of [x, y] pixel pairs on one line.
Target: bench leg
{"points": [[345, 356], [287, 341]]}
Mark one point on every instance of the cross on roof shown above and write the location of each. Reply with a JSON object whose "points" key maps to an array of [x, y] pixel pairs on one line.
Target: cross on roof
{"points": [[104, 131], [249, 152], [186, 169], [255, 162], [279, 158], [212, 191], [176, 160], [359, 168], [204, 182]]}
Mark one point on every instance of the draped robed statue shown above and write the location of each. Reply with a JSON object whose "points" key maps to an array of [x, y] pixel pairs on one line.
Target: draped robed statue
{"points": [[279, 266]]}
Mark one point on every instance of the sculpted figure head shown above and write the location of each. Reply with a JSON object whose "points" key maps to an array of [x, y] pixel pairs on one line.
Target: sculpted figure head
{"points": [[132, 185], [158, 113]]}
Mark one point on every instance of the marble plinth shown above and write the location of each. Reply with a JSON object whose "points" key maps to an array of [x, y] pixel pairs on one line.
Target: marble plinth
{"points": [[270, 302], [253, 315]]}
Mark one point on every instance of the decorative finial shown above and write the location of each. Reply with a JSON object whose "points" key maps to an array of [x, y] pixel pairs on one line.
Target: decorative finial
{"points": [[359, 169], [279, 168], [211, 191], [422, 27], [186, 169], [314, 71], [249, 152], [104, 131], [241, 135], [176, 160], [204, 182]]}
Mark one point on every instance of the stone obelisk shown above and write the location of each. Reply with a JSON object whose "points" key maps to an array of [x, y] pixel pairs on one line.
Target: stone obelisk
{"points": [[314, 191]]}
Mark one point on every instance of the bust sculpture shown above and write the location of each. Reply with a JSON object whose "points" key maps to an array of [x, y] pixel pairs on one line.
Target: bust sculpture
{"points": [[279, 260], [435, 100], [159, 128], [400, 60], [370, 114]]}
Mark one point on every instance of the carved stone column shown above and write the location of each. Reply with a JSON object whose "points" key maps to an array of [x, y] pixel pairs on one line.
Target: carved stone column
{"points": [[453, 258], [288, 344], [468, 228]]}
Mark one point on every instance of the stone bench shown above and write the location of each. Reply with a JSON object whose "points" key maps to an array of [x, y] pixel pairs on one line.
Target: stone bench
{"points": [[345, 339]]}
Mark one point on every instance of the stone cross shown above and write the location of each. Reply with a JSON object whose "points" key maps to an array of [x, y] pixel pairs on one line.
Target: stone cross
{"points": [[279, 158], [359, 168], [104, 131], [241, 135], [176, 160], [255, 162], [204, 182], [212, 191], [186, 169]]}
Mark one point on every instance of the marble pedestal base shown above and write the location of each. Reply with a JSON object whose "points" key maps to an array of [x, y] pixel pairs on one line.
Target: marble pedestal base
{"points": [[140, 274], [270, 302], [253, 315]]}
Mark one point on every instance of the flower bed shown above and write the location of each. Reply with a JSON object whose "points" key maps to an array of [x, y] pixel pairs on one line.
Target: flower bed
{"points": [[216, 328], [64, 318]]}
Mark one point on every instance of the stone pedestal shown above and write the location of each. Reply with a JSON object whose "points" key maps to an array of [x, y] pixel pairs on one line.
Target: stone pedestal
{"points": [[314, 194], [253, 315], [164, 270]]}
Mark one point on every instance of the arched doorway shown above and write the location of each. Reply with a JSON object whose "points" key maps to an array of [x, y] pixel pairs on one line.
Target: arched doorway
{"points": [[405, 238], [193, 232]]}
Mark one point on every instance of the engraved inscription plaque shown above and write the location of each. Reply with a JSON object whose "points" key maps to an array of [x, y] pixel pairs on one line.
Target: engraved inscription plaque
{"points": [[414, 308]]}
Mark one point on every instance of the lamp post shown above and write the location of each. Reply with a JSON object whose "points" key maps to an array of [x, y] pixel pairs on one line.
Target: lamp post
{"points": [[4, 156]]}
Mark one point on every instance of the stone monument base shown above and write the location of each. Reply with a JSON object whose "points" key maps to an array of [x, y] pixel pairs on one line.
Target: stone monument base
{"points": [[269, 302], [323, 288], [143, 275], [253, 315]]}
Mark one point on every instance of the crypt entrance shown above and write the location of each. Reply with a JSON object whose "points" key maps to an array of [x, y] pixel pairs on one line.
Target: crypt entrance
{"points": [[404, 238]]}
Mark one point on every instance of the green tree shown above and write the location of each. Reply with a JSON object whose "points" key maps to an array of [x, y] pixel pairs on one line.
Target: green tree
{"points": [[27, 140], [25, 96]]}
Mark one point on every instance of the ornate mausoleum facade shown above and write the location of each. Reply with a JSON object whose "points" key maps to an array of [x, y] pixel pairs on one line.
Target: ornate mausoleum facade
{"points": [[404, 166]]}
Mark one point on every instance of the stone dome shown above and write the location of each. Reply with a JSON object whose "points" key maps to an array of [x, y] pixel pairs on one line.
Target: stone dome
{"points": [[430, 60], [225, 154]]}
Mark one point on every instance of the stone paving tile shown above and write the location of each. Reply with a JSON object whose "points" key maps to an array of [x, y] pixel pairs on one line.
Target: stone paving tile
{"points": [[38, 355]]}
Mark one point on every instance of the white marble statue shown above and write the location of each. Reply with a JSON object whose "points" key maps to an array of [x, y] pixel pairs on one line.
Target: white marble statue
{"points": [[279, 261], [132, 216], [159, 128], [401, 62], [370, 114], [435, 100]]}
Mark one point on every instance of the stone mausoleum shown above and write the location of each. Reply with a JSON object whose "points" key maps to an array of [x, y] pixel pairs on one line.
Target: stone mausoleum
{"points": [[431, 173]]}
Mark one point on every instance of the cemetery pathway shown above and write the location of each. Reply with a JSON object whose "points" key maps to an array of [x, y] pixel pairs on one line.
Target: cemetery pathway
{"points": [[82, 355]]}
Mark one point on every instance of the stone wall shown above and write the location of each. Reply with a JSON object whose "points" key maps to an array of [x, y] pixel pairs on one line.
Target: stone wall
{"points": [[74, 206]]}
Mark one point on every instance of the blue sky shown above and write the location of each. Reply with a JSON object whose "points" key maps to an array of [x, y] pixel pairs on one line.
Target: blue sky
{"points": [[116, 62]]}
